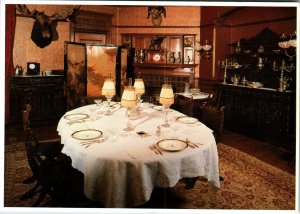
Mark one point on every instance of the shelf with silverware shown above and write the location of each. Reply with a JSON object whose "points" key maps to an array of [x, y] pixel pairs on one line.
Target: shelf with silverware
{"points": [[263, 61]]}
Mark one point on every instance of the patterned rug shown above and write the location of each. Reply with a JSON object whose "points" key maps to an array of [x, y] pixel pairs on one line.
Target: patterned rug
{"points": [[248, 184]]}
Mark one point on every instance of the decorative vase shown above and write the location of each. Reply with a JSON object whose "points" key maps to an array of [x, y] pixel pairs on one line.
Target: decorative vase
{"points": [[172, 58], [178, 59]]}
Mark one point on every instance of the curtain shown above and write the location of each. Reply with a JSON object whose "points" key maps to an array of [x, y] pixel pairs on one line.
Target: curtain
{"points": [[10, 24]]}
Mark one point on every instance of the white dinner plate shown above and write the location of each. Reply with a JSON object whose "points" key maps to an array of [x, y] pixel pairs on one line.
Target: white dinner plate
{"points": [[187, 120], [88, 134], [74, 117], [172, 145], [158, 108]]}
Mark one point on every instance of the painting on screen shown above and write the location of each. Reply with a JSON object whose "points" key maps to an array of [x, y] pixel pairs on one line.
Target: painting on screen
{"points": [[101, 64], [76, 73]]}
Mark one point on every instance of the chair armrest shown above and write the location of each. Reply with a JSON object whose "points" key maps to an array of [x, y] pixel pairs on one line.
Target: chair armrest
{"points": [[56, 140], [50, 148]]}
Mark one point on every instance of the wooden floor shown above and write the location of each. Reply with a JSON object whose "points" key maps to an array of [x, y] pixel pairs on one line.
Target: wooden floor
{"points": [[266, 152]]}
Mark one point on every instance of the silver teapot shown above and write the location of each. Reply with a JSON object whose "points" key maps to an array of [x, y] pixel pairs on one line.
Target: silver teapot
{"points": [[235, 79]]}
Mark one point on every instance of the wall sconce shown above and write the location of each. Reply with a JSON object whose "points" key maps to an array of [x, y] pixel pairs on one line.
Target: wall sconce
{"points": [[203, 50], [288, 42]]}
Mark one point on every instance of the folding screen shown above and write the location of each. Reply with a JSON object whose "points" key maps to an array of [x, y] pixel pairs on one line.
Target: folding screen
{"points": [[101, 64], [75, 66], [94, 64]]}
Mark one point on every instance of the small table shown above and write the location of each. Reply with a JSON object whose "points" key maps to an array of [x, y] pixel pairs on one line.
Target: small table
{"points": [[188, 102], [122, 170]]}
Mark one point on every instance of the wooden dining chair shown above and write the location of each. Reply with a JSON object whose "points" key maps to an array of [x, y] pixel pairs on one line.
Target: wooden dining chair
{"points": [[183, 105], [211, 113], [53, 172], [49, 148]]}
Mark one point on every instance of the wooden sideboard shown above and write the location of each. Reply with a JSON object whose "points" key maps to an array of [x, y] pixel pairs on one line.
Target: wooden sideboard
{"points": [[263, 113], [44, 93]]}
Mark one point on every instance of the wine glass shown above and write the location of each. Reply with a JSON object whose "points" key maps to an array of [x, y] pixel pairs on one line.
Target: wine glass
{"points": [[98, 102], [92, 109], [174, 124]]}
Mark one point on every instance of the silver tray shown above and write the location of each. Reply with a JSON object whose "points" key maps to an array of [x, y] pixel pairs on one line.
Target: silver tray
{"points": [[87, 134]]}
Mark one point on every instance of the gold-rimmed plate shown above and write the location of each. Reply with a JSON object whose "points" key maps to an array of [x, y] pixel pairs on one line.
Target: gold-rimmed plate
{"points": [[172, 145], [87, 134], [74, 117], [187, 120]]}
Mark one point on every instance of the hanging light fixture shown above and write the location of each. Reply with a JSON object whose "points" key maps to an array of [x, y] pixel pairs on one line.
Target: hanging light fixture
{"points": [[289, 43], [166, 98], [203, 50], [129, 101]]}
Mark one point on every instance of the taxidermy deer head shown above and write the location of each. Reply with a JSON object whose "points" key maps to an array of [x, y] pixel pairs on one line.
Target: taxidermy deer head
{"points": [[44, 27], [155, 13]]}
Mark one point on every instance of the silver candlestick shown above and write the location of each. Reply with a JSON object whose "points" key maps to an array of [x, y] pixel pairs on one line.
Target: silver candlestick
{"points": [[225, 72]]}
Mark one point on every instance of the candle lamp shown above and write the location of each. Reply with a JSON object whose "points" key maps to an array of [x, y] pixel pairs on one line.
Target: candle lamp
{"points": [[129, 101], [166, 98], [108, 90], [139, 87]]}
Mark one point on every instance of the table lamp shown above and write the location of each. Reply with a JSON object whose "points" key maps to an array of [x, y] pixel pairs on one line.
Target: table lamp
{"points": [[128, 101], [166, 98], [108, 90], [139, 90]]}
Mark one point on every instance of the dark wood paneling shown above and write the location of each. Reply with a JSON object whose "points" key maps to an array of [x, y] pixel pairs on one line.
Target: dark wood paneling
{"points": [[265, 114], [44, 93]]}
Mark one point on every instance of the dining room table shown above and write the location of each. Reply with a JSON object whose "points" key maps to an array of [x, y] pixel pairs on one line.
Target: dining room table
{"points": [[121, 168]]}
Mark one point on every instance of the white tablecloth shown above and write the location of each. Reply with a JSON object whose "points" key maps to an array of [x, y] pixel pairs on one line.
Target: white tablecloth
{"points": [[198, 96], [122, 171]]}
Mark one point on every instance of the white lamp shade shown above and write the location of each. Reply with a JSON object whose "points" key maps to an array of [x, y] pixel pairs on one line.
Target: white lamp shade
{"points": [[293, 43], [166, 97], [206, 46], [128, 99], [108, 88], [139, 87], [284, 44]]}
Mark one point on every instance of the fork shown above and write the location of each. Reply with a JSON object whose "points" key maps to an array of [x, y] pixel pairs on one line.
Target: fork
{"points": [[155, 149], [193, 145], [75, 121]]}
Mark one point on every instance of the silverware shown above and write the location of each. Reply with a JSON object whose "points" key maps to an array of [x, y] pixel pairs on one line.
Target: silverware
{"points": [[193, 145], [88, 143], [155, 149], [75, 121], [151, 147]]}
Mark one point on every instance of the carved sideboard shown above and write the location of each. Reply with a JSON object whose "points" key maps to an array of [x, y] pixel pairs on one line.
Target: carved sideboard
{"points": [[44, 93], [263, 113]]}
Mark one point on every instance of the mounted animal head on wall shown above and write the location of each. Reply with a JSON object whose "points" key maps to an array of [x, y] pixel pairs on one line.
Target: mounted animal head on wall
{"points": [[44, 27], [155, 13]]}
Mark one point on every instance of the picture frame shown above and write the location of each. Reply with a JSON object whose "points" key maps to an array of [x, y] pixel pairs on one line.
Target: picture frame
{"points": [[189, 55]]}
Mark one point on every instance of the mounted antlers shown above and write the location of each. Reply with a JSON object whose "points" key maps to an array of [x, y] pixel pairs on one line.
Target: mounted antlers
{"points": [[44, 27], [155, 13]]}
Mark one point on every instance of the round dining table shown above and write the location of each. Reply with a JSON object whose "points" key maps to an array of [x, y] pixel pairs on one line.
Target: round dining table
{"points": [[121, 168]]}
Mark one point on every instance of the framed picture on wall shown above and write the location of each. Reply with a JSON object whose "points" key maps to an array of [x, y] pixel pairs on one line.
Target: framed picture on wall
{"points": [[188, 55]]}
